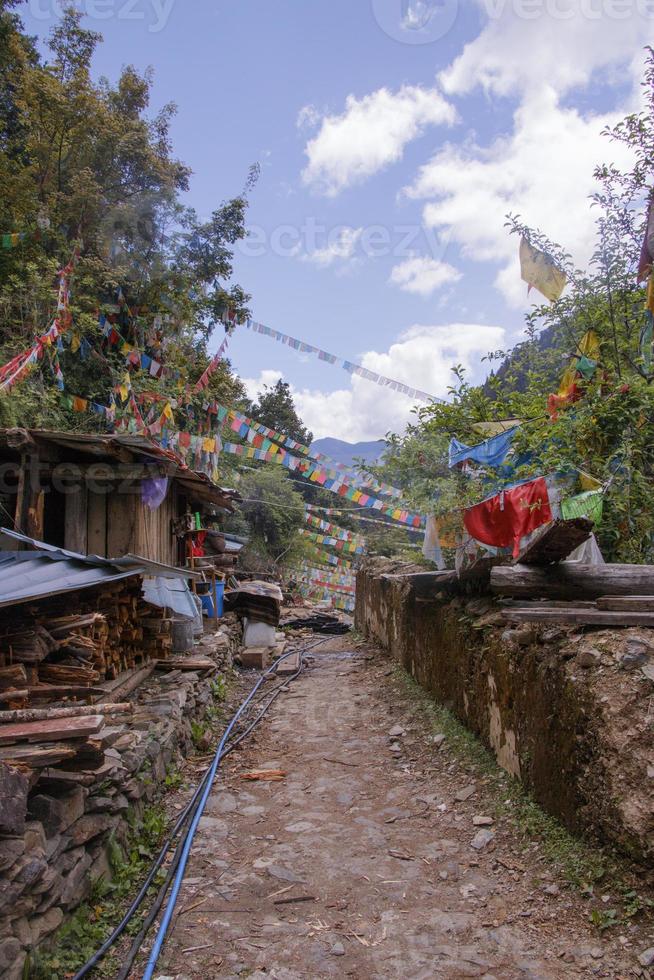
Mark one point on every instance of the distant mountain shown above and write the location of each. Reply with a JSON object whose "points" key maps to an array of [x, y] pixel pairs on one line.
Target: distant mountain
{"points": [[347, 452]]}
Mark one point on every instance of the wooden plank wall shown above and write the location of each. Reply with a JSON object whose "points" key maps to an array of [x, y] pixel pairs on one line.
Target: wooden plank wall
{"points": [[76, 522], [152, 530], [96, 523]]}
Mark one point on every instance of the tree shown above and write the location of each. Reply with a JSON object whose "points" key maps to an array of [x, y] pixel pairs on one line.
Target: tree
{"points": [[88, 166], [276, 409], [273, 512]]}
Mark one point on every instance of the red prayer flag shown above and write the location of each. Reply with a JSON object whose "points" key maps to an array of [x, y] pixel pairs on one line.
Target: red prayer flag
{"points": [[502, 520]]}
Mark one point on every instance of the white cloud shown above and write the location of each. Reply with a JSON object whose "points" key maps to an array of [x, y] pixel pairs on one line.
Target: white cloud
{"points": [[423, 275], [542, 171], [421, 357], [369, 135], [559, 43], [340, 246], [255, 386]]}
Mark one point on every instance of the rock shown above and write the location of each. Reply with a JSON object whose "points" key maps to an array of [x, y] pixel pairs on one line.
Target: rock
{"points": [[483, 821], [551, 889], [78, 883], [58, 813], [588, 658], [650, 772], [482, 839], [396, 731], [90, 826], [648, 671], [12, 959], [283, 874], [597, 952], [437, 740], [464, 794], [45, 924], [10, 851], [396, 748], [647, 957], [338, 949]]}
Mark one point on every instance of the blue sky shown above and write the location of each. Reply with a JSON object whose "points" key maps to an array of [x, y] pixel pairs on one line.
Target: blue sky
{"points": [[393, 136]]}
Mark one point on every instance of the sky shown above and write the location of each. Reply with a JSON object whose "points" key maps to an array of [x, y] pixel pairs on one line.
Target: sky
{"points": [[394, 136]]}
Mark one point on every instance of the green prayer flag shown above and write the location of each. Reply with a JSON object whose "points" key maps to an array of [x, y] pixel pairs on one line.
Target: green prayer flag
{"points": [[589, 504]]}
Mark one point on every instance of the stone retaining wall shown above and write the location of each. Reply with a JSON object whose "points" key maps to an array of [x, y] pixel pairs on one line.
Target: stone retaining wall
{"points": [[569, 712], [75, 819]]}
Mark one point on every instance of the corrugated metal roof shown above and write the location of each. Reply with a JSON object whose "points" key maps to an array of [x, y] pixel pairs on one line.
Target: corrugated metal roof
{"points": [[26, 575]]}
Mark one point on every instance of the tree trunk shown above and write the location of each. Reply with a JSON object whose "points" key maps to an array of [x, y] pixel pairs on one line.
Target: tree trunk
{"points": [[571, 581]]}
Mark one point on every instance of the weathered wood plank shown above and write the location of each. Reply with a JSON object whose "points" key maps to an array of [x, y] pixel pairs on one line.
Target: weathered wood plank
{"points": [[76, 520], [630, 603], [572, 581], [96, 524], [580, 617], [14, 787], [52, 730], [555, 541]]}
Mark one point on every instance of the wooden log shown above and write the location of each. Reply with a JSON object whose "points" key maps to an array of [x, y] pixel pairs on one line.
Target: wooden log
{"points": [[555, 541], [48, 714], [13, 695], [630, 603], [572, 581], [578, 616], [52, 730], [14, 676]]}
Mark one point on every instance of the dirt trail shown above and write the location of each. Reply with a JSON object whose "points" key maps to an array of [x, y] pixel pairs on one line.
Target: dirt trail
{"points": [[374, 840]]}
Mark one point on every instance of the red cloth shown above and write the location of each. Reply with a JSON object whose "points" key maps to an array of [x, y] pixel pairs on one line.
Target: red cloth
{"points": [[505, 518]]}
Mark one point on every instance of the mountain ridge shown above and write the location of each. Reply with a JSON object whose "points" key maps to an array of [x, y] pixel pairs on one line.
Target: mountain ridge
{"points": [[347, 452]]}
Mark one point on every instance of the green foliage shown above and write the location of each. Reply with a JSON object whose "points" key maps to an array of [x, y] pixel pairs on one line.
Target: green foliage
{"points": [[87, 165], [273, 511]]}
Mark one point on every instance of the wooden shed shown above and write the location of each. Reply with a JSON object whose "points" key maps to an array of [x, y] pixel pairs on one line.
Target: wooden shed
{"points": [[106, 495]]}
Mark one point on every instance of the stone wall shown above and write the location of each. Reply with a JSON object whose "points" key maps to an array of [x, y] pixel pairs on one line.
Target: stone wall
{"points": [[74, 819], [567, 711]]}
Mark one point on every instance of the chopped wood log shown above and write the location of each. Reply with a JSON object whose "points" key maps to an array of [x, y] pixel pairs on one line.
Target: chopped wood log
{"points": [[629, 603], [51, 730], [15, 676], [50, 714], [572, 581], [64, 674], [14, 787], [555, 541], [13, 696], [30, 646], [578, 616]]}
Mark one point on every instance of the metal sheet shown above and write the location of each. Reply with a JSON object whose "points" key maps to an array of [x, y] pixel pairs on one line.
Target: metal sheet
{"points": [[25, 577]]}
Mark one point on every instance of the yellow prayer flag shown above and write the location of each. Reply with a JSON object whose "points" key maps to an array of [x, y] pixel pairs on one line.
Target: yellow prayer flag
{"points": [[209, 445], [538, 270], [168, 413], [75, 343]]}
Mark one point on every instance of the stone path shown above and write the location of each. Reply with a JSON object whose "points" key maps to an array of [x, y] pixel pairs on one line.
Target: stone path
{"points": [[369, 859]]}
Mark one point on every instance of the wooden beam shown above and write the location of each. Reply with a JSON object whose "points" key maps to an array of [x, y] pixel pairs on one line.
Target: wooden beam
{"points": [[76, 521], [555, 541], [578, 616], [572, 581]]}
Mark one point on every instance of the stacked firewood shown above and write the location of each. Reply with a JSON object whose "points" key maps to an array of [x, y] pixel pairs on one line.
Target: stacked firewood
{"points": [[48, 652]]}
